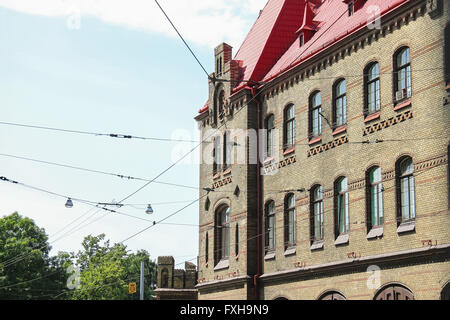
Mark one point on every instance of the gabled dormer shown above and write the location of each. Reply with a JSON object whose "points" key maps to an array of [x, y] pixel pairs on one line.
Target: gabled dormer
{"points": [[353, 6], [309, 27]]}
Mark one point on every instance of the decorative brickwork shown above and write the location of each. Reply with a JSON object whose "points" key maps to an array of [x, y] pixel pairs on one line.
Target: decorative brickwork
{"points": [[327, 146], [222, 183], [388, 123], [281, 164]]}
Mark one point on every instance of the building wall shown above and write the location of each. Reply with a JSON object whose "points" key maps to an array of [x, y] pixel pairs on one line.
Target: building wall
{"points": [[430, 118], [242, 205], [422, 129], [425, 281]]}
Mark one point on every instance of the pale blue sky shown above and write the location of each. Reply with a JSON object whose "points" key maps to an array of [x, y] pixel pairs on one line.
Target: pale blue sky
{"points": [[103, 78]]}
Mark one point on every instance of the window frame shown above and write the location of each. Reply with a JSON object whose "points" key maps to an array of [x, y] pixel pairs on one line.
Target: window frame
{"points": [[339, 98], [289, 127], [401, 178], [368, 82], [378, 187], [312, 121], [270, 240], [290, 222], [316, 200], [227, 150], [341, 197], [407, 81], [351, 8], [270, 135], [217, 161], [222, 227]]}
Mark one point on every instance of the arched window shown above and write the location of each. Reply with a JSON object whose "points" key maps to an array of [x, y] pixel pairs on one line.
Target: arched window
{"points": [[227, 149], [290, 237], [339, 104], [341, 206], [372, 88], [270, 126], [406, 209], [447, 54], [316, 214], [402, 74], [289, 127], [222, 247], [207, 248], [394, 292], [164, 278], [217, 162], [332, 295], [374, 193], [221, 104], [270, 227], [236, 241], [207, 204], [315, 119], [445, 293]]}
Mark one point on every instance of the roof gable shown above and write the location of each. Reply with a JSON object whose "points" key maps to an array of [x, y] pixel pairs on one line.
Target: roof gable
{"points": [[270, 36]]}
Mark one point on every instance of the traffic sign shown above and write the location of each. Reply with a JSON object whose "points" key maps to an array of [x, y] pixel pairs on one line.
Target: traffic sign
{"points": [[132, 287]]}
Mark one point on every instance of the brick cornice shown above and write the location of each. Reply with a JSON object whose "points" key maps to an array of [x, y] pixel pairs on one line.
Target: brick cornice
{"points": [[219, 284], [399, 257]]}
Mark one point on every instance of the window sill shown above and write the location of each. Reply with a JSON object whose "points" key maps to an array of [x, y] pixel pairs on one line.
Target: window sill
{"points": [[223, 264], [403, 104], [268, 160], [227, 171], [317, 245], [406, 227], [375, 232], [315, 140], [341, 239], [289, 151], [373, 116], [290, 251], [339, 130], [269, 256]]}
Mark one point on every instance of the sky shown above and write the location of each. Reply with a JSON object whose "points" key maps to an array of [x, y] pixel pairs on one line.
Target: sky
{"points": [[108, 66]]}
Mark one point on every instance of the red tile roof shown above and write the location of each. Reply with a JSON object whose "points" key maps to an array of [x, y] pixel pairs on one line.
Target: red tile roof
{"points": [[272, 45], [335, 24]]}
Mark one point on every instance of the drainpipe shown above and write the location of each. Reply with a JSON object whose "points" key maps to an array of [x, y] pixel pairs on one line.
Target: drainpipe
{"points": [[258, 192]]}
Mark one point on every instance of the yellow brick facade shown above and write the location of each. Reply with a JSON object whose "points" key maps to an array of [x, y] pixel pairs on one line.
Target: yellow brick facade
{"points": [[420, 130]]}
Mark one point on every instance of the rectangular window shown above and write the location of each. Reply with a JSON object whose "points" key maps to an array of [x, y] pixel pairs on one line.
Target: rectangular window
{"points": [[376, 204], [271, 242], [407, 198], [351, 8], [343, 213], [318, 220]]}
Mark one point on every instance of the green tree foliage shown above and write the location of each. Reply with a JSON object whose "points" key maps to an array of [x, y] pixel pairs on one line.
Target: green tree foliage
{"points": [[105, 271], [26, 270]]}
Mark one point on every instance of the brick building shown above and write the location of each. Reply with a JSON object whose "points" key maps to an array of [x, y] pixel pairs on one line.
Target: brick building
{"points": [[325, 168], [175, 284]]}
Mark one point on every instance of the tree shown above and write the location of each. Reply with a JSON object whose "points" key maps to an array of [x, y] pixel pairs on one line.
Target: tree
{"points": [[106, 271], [26, 270]]}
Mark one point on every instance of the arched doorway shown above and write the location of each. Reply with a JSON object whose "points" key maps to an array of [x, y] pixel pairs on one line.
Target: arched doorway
{"points": [[394, 292], [445, 293], [332, 295]]}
